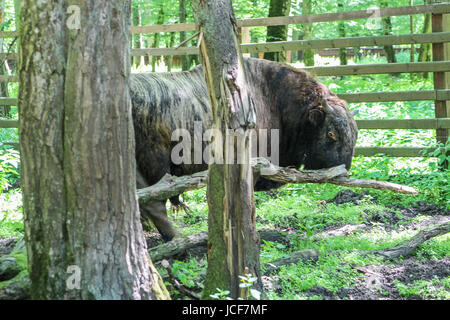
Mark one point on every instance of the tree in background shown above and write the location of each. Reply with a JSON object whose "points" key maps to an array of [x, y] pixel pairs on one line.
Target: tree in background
{"points": [[137, 38], [82, 225], [277, 33], [156, 36], [341, 30], [387, 30], [425, 49], [308, 54], [233, 242], [182, 14], [4, 110]]}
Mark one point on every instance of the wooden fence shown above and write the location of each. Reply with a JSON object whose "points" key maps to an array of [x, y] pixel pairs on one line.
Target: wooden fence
{"points": [[440, 66]]}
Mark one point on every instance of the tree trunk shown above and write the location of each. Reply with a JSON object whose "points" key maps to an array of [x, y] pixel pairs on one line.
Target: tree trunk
{"points": [[145, 40], [4, 110], [341, 30], [296, 55], [82, 229], [308, 54], [233, 244], [425, 48], [182, 16], [411, 30], [156, 37], [277, 8], [387, 30], [136, 37], [170, 45]]}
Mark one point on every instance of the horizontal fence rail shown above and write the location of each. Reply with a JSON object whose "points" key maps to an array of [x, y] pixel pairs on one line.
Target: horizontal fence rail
{"points": [[412, 67], [438, 123], [437, 37], [442, 94], [434, 66], [324, 17], [393, 151], [9, 123]]}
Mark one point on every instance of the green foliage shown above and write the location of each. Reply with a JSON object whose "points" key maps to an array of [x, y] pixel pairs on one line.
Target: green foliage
{"points": [[11, 217], [437, 248], [9, 168], [424, 289], [189, 272], [220, 295]]}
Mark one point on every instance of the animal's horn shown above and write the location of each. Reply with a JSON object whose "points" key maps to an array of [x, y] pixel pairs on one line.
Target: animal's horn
{"points": [[355, 112], [326, 107]]}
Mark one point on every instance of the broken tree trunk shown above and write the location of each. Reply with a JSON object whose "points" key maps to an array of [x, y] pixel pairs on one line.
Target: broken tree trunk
{"points": [[170, 186], [233, 243]]}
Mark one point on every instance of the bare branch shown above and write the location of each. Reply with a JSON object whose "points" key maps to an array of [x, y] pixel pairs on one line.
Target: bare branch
{"points": [[170, 186]]}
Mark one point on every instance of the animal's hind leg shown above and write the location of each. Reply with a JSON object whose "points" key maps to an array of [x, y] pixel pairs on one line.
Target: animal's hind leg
{"points": [[157, 213]]}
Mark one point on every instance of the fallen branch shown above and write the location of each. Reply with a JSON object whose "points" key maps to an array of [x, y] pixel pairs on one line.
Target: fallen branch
{"points": [[181, 245], [177, 246], [170, 186], [406, 247], [382, 185]]}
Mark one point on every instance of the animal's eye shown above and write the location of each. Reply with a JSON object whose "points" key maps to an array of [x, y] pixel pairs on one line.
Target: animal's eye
{"points": [[332, 135]]}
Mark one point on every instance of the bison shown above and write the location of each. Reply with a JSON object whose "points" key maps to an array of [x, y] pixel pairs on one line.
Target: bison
{"points": [[316, 128]]}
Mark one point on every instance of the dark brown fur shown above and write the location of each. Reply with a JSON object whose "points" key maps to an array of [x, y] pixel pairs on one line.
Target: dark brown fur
{"points": [[286, 98]]}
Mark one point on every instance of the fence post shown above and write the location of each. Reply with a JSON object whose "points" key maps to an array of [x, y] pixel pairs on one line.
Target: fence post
{"points": [[441, 52]]}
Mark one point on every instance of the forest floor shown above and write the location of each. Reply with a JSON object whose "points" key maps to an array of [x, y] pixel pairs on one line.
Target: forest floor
{"points": [[342, 228]]}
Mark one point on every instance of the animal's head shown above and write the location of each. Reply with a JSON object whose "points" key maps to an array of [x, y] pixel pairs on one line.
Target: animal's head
{"points": [[331, 133]]}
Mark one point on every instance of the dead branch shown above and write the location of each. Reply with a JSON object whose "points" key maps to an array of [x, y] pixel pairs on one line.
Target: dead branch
{"points": [[406, 247], [178, 246], [170, 186], [382, 185]]}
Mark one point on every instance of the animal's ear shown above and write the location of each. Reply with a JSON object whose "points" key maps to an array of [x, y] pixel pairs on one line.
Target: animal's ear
{"points": [[316, 116]]}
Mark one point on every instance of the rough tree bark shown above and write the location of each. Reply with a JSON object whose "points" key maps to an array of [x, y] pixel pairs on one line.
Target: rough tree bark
{"points": [[77, 151], [277, 8], [233, 244]]}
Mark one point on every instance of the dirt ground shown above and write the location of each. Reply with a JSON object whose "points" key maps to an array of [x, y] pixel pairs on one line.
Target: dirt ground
{"points": [[377, 282]]}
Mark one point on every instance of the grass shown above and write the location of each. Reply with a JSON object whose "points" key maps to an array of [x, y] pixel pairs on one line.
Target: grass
{"points": [[426, 289]]}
